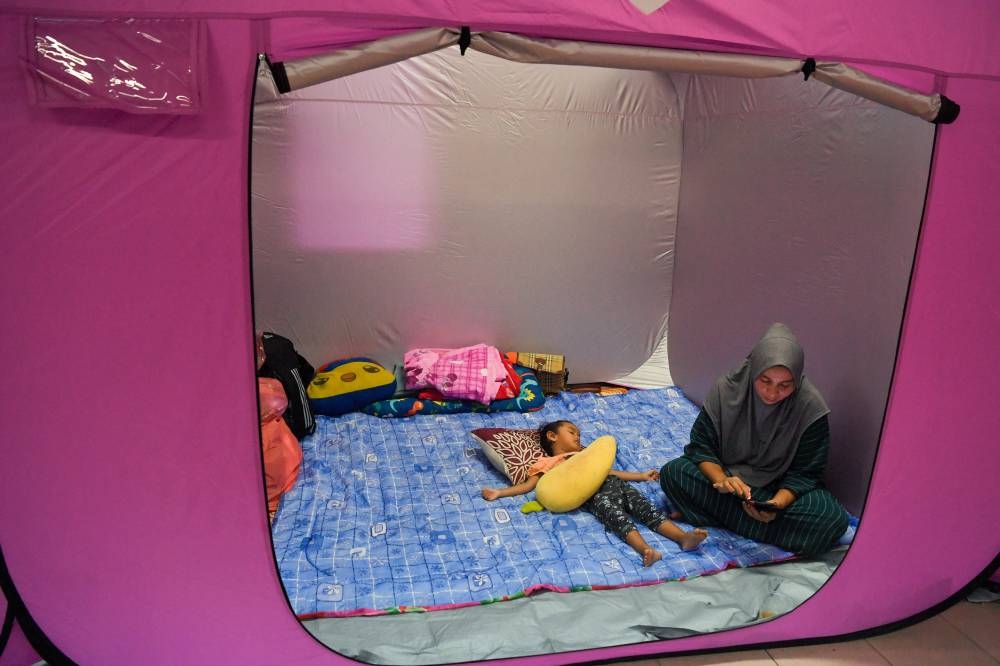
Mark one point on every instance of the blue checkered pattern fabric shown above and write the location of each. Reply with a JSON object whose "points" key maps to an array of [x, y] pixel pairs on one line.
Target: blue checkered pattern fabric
{"points": [[387, 514]]}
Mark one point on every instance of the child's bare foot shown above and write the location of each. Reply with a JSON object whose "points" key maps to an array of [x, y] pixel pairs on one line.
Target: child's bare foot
{"points": [[692, 539], [649, 556]]}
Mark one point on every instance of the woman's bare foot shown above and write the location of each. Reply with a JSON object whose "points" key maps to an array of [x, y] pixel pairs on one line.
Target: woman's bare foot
{"points": [[649, 556], [692, 539]]}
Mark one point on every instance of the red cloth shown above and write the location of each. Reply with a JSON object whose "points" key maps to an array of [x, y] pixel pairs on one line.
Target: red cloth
{"points": [[511, 387]]}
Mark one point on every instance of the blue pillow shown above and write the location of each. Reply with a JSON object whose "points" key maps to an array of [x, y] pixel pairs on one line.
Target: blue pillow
{"points": [[530, 399]]}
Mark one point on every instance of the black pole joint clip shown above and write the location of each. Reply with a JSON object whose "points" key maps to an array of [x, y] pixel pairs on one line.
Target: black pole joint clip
{"points": [[808, 68], [464, 39], [947, 113]]}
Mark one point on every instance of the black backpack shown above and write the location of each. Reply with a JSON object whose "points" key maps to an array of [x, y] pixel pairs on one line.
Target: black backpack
{"points": [[283, 363]]}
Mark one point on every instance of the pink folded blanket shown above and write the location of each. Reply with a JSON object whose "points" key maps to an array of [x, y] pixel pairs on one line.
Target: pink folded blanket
{"points": [[468, 373]]}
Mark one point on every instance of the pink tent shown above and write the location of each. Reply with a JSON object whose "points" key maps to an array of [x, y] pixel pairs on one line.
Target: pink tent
{"points": [[131, 397]]}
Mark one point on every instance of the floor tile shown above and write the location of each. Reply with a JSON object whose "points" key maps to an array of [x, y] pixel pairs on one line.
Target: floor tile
{"points": [[965, 634], [742, 658], [933, 642], [979, 622], [855, 653]]}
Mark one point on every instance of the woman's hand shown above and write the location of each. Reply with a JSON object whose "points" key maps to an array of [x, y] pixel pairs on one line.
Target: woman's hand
{"points": [[733, 485], [651, 475], [490, 494], [762, 516], [781, 500]]}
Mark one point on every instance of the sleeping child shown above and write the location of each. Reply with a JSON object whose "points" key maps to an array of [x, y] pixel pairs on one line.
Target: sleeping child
{"points": [[613, 502]]}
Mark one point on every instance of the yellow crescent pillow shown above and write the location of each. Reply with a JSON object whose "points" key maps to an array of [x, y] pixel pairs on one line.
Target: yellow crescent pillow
{"points": [[570, 484]]}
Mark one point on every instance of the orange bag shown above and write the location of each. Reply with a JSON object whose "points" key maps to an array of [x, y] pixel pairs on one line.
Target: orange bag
{"points": [[282, 453]]}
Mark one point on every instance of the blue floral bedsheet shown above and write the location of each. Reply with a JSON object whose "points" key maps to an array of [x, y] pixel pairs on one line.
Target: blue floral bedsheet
{"points": [[387, 516]]}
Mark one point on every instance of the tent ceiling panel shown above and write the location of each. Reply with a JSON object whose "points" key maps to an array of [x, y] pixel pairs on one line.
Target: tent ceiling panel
{"points": [[301, 73]]}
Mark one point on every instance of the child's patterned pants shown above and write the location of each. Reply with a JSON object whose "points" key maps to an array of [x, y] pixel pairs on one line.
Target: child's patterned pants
{"points": [[615, 500]]}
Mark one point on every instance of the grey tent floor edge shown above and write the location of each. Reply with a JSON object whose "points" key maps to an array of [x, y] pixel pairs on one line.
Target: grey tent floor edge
{"points": [[605, 618]]}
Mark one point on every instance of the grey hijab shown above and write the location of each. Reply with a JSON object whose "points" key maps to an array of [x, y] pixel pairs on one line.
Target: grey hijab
{"points": [[757, 442]]}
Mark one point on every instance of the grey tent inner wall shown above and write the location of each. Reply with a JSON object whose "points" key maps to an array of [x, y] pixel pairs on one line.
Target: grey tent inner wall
{"points": [[799, 203], [445, 201]]}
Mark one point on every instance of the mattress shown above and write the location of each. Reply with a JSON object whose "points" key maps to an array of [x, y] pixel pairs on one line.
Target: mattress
{"points": [[387, 517]]}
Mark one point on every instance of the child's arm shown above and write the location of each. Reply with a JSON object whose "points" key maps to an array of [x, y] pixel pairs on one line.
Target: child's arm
{"points": [[490, 494], [648, 475]]}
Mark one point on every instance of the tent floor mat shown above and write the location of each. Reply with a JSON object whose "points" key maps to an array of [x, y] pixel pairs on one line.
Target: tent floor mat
{"points": [[549, 622]]}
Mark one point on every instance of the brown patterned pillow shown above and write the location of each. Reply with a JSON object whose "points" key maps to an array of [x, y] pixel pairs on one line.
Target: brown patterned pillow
{"points": [[512, 451]]}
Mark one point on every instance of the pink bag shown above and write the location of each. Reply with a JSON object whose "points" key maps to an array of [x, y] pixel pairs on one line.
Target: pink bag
{"points": [[469, 373]]}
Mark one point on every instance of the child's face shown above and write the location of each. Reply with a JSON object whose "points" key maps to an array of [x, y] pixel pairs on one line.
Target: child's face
{"points": [[565, 440]]}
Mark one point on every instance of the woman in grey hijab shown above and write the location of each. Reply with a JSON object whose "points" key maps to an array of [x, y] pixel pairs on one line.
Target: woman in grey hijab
{"points": [[761, 438]]}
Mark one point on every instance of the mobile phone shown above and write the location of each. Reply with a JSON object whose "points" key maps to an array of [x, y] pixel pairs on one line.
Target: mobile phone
{"points": [[764, 506]]}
